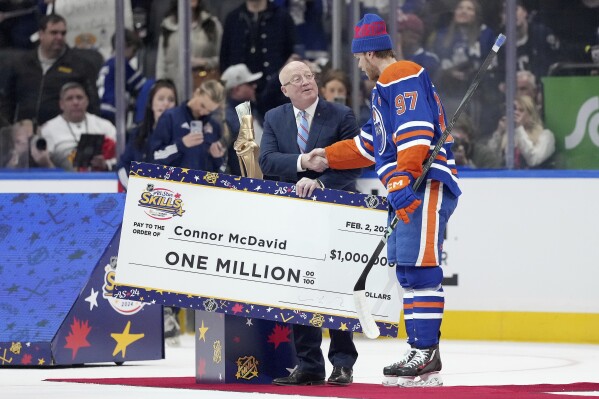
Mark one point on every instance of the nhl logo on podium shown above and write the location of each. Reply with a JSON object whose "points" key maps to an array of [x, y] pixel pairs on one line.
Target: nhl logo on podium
{"points": [[210, 305], [211, 178], [371, 201], [317, 320], [247, 368]]}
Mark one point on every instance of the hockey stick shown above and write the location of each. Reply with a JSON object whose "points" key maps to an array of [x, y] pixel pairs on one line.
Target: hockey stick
{"points": [[369, 327]]}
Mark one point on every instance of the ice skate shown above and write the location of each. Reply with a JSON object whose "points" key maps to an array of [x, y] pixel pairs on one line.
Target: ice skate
{"points": [[390, 372], [422, 370]]}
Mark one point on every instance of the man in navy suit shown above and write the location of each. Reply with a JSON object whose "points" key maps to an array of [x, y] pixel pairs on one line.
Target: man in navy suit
{"points": [[284, 154]]}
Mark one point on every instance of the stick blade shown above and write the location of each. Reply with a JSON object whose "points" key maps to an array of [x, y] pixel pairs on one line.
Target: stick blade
{"points": [[369, 327]]}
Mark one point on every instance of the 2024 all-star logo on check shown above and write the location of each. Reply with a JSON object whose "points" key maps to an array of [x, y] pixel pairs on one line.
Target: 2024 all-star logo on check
{"points": [[161, 203]]}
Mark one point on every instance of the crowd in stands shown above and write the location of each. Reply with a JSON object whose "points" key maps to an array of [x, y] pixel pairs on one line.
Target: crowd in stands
{"points": [[54, 92]]}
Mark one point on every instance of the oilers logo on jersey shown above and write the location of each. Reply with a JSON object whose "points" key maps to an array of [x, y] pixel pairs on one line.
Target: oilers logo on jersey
{"points": [[380, 139]]}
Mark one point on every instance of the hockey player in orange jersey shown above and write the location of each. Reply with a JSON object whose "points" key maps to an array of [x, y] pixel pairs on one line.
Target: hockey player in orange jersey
{"points": [[406, 121]]}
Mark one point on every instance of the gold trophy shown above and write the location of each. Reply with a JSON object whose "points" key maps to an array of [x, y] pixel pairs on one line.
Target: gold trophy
{"points": [[245, 146]]}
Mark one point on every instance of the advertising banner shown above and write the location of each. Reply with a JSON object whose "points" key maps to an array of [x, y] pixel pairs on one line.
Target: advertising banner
{"points": [[572, 114]]}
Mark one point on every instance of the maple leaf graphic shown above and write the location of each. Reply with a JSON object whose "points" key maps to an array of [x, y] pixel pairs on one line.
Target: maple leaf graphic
{"points": [[237, 308], [279, 335], [26, 360], [77, 338]]}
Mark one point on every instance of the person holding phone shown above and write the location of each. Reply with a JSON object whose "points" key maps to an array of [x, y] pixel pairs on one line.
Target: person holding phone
{"points": [[162, 96], [188, 136]]}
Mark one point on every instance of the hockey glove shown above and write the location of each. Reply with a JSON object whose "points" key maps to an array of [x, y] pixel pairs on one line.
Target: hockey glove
{"points": [[401, 196]]}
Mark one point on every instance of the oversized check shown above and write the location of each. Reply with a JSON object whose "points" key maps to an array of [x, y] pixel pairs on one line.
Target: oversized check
{"points": [[253, 248]]}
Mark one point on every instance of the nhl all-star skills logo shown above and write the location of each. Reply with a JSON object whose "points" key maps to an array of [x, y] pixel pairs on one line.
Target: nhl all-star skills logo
{"points": [[120, 301], [161, 203]]}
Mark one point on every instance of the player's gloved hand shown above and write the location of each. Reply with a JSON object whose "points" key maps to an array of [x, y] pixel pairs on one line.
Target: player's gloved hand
{"points": [[401, 196]]}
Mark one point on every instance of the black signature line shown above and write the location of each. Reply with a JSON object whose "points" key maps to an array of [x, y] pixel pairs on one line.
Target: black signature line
{"points": [[360, 232], [324, 307], [247, 249], [236, 277]]}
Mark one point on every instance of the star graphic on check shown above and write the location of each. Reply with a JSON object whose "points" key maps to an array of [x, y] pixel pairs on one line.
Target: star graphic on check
{"points": [[249, 322], [203, 331], [268, 309], [92, 299], [343, 327], [124, 339]]}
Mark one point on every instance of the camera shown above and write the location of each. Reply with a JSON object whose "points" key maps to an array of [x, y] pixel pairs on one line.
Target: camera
{"points": [[40, 143]]}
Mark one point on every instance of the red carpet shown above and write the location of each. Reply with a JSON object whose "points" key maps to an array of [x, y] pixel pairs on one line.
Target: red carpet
{"points": [[359, 391]]}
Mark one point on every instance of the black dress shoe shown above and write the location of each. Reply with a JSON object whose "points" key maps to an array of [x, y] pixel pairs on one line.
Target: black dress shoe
{"points": [[341, 376], [298, 377]]}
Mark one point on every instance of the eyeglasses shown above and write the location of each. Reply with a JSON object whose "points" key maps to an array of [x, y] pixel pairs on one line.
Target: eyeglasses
{"points": [[297, 79]]}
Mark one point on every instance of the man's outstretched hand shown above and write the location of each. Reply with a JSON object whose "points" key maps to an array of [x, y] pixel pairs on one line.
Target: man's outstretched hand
{"points": [[315, 160]]}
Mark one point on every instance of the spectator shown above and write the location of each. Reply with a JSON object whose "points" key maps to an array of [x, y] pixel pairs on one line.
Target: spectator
{"points": [[410, 41], [283, 154], [15, 145], [31, 87], [18, 21], [526, 84], [366, 86], [162, 96], [468, 149], [206, 35], [7, 152], [308, 15], [574, 22], [260, 35], [174, 143], [534, 145], [461, 48], [462, 154], [374, 6], [134, 80], [537, 47], [21, 148], [63, 132], [336, 87], [240, 85]]}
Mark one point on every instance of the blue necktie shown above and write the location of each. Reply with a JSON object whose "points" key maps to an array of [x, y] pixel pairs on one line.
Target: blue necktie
{"points": [[302, 132]]}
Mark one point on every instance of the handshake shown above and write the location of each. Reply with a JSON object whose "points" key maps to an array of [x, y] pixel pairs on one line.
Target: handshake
{"points": [[315, 160]]}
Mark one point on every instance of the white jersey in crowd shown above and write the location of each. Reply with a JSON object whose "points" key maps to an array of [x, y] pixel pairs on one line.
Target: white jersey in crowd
{"points": [[62, 136]]}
